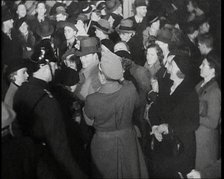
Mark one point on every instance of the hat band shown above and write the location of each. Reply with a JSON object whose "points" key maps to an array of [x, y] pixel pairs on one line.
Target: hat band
{"points": [[125, 28], [103, 28]]}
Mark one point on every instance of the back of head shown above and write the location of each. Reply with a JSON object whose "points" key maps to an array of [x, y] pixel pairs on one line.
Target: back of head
{"points": [[214, 62]]}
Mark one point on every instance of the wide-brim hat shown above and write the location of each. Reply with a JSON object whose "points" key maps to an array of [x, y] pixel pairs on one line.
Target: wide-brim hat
{"points": [[88, 45], [112, 5], [44, 29], [126, 25], [69, 24], [104, 26]]}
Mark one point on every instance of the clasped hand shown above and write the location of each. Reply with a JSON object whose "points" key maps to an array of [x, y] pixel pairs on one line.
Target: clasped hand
{"points": [[159, 130]]}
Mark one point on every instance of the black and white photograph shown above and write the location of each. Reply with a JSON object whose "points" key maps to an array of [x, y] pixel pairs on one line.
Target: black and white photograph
{"points": [[111, 89]]}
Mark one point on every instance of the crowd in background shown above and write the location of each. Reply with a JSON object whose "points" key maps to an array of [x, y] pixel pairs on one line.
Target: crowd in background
{"points": [[87, 93]]}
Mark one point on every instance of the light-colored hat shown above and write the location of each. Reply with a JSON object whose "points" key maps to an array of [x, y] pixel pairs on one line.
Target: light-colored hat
{"points": [[111, 66]]}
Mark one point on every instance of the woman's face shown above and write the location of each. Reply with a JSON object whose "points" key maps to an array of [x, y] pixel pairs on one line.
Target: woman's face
{"points": [[69, 33], [21, 76], [155, 25], [21, 11], [151, 56], [23, 28], [173, 70], [206, 70]]}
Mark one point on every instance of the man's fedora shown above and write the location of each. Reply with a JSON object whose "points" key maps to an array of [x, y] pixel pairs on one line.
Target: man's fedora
{"points": [[45, 29], [104, 26], [88, 45], [126, 25]]}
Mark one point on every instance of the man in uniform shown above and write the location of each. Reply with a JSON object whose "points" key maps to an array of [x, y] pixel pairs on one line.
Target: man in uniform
{"points": [[40, 117]]}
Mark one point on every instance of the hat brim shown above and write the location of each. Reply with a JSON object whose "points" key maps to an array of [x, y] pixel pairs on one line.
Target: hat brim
{"points": [[87, 51], [63, 13], [45, 34], [123, 30], [106, 32]]}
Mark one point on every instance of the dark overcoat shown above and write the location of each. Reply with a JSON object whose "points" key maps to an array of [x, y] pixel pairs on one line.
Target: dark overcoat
{"points": [[181, 112]]}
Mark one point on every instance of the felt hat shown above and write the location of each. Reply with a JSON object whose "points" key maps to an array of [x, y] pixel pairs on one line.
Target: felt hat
{"points": [[88, 45], [111, 66], [6, 15], [103, 25], [112, 5], [69, 52], [69, 24], [61, 10], [126, 25], [44, 29], [8, 115], [139, 3], [165, 35], [15, 65]]}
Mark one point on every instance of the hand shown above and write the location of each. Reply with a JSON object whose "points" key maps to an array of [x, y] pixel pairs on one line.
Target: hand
{"points": [[194, 174], [163, 128], [156, 133], [155, 85]]}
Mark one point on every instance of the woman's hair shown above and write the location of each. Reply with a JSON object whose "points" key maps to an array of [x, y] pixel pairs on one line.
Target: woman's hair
{"points": [[76, 59], [158, 50], [11, 76], [214, 62]]}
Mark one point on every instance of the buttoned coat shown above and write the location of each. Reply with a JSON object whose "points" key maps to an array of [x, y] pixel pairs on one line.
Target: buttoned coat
{"points": [[210, 115]]}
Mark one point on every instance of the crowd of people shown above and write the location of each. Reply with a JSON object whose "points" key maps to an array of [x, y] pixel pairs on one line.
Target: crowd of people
{"points": [[87, 93]]}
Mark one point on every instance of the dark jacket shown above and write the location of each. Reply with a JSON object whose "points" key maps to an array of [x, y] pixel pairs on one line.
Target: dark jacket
{"points": [[180, 111], [40, 117]]}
